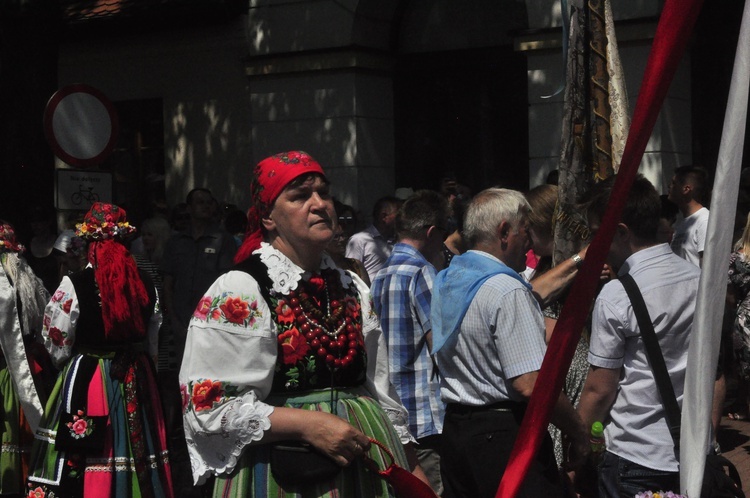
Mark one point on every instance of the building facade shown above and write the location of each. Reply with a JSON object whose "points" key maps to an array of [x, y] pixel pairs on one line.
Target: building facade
{"points": [[384, 93]]}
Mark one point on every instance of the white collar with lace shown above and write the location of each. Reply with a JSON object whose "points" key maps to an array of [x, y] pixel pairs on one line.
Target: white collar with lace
{"points": [[284, 274]]}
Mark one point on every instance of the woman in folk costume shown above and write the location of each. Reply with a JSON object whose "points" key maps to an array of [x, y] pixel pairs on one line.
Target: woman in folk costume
{"points": [[22, 301], [103, 430], [285, 373]]}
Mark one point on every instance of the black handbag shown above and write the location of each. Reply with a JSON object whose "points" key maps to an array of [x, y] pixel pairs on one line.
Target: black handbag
{"points": [[720, 477], [295, 463]]}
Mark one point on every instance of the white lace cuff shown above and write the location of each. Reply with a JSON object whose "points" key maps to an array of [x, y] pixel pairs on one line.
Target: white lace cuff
{"points": [[244, 421], [248, 419]]}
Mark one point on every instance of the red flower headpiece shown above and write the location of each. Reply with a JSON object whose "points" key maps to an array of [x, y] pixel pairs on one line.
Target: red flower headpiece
{"points": [[8, 242], [104, 221]]}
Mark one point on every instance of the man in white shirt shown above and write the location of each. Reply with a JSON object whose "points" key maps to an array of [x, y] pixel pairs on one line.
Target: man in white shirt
{"points": [[688, 190], [372, 246], [620, 389]]}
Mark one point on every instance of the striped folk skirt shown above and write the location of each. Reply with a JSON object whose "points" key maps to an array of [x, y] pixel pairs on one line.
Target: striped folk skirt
{"points": [[102, 435], [253, 478]]}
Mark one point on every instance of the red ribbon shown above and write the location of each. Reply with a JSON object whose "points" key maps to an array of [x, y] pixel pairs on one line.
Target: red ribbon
{"points": [[675, 26], [404, 483]]}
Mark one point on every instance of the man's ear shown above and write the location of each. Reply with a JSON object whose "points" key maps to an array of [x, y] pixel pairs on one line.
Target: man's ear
{"points": [[622, 231], [503, 230]]}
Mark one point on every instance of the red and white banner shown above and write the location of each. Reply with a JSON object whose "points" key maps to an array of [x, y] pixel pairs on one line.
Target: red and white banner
{"points": [[675, 26]]}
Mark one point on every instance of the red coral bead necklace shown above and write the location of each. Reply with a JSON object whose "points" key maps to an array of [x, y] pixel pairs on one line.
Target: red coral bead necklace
{"points": [[334, 336]]}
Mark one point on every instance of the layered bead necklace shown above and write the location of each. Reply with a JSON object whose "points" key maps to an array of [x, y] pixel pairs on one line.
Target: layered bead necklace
{"points": [[336, 336]]}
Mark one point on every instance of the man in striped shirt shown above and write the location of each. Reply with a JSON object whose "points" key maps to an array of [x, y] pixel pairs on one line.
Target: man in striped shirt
{"points": [[402, 292]]}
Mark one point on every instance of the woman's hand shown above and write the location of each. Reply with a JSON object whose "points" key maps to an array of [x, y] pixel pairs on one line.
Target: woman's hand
{"points": [[334, 437], [331, 435]]}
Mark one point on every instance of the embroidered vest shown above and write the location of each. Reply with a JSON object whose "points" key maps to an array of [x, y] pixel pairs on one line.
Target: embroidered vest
{"points": [[299, 367]]}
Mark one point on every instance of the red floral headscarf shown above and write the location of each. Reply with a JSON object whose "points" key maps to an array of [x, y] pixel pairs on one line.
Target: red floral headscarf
{"points": [[121, 289], [270, 177], [8, 242]]}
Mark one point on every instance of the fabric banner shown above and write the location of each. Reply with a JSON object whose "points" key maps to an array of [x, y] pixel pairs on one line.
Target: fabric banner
{"points": [[704, 342], [619, 114], [574, 178], [672, 33], [596, 119]]}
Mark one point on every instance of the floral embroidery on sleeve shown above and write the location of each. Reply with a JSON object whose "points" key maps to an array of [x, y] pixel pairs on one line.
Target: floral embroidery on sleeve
{"points": [[58, 337], [240, 310], [62, 300], [59, 323], [207, 393]]}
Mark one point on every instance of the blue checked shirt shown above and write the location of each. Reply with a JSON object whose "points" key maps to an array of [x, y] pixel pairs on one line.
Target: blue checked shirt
{"points": [[500, 338], [402, 291]]}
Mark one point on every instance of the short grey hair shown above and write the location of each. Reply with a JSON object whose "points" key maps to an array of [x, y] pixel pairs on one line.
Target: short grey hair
{"points": [[491, 207]]}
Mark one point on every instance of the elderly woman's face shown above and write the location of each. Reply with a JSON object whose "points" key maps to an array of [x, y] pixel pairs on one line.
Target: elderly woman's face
{"points": [[303, 214]]}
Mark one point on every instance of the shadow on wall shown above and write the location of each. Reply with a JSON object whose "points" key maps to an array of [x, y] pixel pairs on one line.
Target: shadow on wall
{"points": [[319, 115], [205, 145]]}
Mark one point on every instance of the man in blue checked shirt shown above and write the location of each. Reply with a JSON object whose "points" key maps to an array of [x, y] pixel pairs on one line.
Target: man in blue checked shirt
{"points": [[402, 291]]}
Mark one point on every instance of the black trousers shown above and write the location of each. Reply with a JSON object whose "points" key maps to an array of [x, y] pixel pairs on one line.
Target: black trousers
{"points": [[476, 448]]}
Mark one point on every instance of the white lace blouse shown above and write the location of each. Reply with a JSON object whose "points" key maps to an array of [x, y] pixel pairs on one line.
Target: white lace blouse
{"points": [[230, 356]]}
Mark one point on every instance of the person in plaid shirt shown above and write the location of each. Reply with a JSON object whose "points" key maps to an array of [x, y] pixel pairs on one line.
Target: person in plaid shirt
{"points": [[402, 291]]}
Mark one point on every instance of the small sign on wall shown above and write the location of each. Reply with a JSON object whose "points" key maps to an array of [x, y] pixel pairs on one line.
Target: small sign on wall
{"points": [[78, 189]]}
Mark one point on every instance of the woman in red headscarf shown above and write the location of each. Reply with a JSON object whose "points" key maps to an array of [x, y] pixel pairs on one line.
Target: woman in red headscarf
{"points": [[285, 373], [103, 430]]}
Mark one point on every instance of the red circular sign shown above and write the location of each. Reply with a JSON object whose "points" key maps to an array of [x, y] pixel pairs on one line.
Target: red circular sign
{"points": [[81, 125]]}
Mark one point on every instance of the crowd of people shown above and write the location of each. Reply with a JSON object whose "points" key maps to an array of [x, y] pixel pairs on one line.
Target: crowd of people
{"points": [[290, 351]]}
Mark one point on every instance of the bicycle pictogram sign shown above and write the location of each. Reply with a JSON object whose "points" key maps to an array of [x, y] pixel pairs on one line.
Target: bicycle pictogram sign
{"points": [[87, 195]]}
